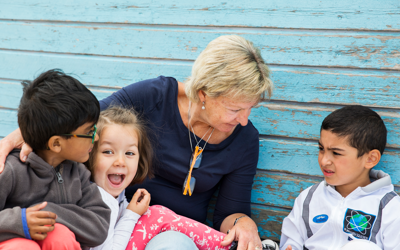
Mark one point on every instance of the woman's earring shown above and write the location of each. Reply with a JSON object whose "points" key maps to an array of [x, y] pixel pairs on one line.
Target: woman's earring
{"points": [[203, 107]]}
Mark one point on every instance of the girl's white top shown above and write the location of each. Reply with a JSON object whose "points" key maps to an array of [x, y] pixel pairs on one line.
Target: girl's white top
{"points": [[122, 222]]}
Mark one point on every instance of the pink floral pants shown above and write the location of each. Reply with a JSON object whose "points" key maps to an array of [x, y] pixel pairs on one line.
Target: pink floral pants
{"points": [[159, 219]]}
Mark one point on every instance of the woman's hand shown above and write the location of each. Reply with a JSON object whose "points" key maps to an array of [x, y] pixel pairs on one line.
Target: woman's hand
{"points": [[245, 232], [11, 141], [140, 201]]}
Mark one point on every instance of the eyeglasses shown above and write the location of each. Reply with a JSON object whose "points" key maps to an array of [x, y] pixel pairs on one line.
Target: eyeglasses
{"points": [[190, 182], [91, 136]]}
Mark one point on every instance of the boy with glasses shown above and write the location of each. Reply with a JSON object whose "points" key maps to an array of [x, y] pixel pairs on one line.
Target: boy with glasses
{"points": [[48, 202]]}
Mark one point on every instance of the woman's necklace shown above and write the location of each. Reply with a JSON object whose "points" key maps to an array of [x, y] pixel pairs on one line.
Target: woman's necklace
{"points": [[190, 139]]}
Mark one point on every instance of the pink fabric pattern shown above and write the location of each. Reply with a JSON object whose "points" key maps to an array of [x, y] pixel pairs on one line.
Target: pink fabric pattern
{"points": [[159, 219]]}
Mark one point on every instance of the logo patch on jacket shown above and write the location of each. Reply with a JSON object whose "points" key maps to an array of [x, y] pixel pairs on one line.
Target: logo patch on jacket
{"points": [[320, 218], [358, 223]]}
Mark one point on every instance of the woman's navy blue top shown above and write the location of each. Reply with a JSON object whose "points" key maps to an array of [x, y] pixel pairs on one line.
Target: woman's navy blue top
{"points": [[231, 164]]}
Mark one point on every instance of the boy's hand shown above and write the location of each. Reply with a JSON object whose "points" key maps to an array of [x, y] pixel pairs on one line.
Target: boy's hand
{"points": [[40, 222], [140, 201], [289, 247]]}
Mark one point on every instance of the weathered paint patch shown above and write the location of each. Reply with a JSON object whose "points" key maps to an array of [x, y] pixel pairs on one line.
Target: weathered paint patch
{"points": [[300, 121], [269, 221], [279, 189]]}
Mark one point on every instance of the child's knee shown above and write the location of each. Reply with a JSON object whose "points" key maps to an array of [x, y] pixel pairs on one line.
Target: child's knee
{"points": [[60, 238], [19, 243]]}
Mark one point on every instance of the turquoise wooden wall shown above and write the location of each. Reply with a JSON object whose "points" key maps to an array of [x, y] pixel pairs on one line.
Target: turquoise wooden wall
{"points": [[323, 55]]}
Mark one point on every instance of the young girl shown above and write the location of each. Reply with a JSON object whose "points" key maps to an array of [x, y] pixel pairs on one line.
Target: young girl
{"points": [[120, 158]]}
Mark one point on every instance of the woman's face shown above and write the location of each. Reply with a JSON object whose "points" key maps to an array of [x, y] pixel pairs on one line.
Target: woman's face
{"points": [[224, 113]]}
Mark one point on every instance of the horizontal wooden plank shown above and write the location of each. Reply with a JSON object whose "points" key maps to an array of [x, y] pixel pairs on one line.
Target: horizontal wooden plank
{"points": [[11, 93], [269, 221], [279, 189], [372, 88], [312, 14], [288, 47], [292, 120], [8, 117], [8, 121], [301, 157], [90, 70]]}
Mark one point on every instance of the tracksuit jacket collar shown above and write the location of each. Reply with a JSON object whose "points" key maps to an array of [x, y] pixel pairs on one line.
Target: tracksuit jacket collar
{"points": [[378, 178]]}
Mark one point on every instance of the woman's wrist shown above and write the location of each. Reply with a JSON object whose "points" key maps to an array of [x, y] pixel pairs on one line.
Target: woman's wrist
{"points": [[232, 220], [238, 218], [243, 229]]}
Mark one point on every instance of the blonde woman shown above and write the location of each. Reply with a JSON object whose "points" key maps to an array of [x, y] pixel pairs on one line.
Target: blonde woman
{"points": [[203, 138]]}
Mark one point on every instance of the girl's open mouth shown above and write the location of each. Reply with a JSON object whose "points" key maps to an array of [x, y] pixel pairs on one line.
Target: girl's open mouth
{"points": [[116, 179]]}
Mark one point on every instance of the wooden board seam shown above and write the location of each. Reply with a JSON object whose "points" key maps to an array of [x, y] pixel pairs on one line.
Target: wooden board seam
{"points": [[259, 28], [188, 62]]}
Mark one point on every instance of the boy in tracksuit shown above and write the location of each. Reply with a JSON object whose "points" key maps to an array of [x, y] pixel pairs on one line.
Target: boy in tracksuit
{"points": [[48, 202], [354, 201]]}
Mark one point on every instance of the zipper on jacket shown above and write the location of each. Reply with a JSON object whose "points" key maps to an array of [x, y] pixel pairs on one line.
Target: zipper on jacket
{"points": [[342, 203], [60, 181], [339, 222], [59, 178], [336, 235]]}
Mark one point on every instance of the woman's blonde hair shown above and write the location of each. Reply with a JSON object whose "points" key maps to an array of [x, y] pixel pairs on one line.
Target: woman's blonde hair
{"points": [[127, 117], [230, 66]]}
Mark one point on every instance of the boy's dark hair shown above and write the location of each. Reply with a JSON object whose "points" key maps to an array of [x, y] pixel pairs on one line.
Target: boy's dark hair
{"points": [[363, 126], [54, 104]]}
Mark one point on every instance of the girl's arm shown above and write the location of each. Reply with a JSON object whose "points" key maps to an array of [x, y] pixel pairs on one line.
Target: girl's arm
{"points": [[120, 230], [124, 217]]}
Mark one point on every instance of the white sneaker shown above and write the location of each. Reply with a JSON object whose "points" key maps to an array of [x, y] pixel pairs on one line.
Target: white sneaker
{"points": [[269, 245]]}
